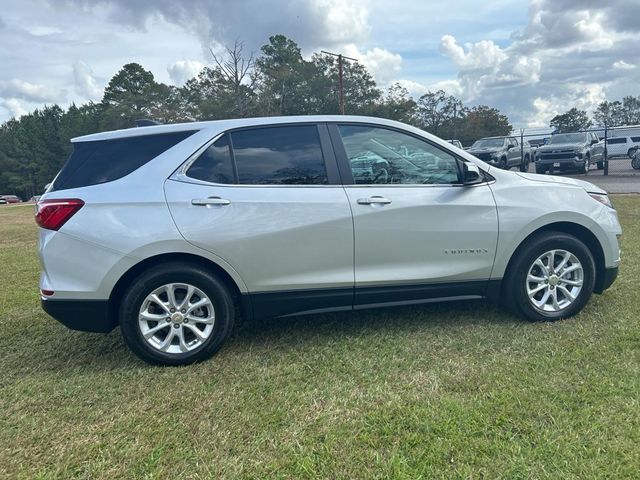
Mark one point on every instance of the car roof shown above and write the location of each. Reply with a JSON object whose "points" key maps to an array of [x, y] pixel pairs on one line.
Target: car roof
{"points": [[222, 125]]}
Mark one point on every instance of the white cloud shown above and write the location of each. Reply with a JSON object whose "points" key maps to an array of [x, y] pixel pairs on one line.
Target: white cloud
{"points": [[480, 55], [86, 84], [183, 70], [14, 107], [383, 65], [16, 88], [622, 65]]}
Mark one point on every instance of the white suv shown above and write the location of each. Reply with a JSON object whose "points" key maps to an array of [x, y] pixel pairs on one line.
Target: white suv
{"points": [[165, 230]]}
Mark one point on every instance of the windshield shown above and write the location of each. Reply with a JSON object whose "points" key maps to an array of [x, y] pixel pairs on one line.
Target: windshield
{"points": [[489, 143], [568, 138]]}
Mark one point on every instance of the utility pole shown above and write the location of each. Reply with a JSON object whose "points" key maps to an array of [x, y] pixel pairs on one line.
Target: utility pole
{"points": [[340, 75]]}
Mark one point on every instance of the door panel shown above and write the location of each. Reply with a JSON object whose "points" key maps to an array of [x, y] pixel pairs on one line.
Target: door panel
{"points": [[267, 201], [414, 223], [276, 238], [425, 234]]}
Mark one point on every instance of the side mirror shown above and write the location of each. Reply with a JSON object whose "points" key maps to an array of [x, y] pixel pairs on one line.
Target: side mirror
{"points": [[594, 141], [471, 174]]}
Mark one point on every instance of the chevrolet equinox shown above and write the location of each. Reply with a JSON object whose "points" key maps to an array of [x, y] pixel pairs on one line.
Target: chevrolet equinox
{"points": [[167, 231]]}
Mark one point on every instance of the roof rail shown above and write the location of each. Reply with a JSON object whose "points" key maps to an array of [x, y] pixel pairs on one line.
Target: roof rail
{"points": [[145, 122]]}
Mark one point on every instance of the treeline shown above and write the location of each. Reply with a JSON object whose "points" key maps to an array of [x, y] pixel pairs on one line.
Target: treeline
{"points": [[279, 81], [611, 114]]}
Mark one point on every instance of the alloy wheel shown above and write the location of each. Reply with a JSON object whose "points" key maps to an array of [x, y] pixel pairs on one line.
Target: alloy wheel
{"points": [[554, 281], [176, 318]]}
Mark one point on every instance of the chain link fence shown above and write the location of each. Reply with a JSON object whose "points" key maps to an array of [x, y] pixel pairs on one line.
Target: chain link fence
{"points": [[609, 151]]}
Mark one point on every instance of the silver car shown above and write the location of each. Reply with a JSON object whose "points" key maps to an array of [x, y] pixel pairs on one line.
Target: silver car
{"points": [[167, 231]]}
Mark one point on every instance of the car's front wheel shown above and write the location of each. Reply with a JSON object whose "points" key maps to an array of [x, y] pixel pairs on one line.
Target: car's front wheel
{"points": [[176, 314], [552, 277]]}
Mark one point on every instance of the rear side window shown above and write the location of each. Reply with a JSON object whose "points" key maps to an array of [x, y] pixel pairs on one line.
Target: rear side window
{"points": [[289, 155], [635, 139], [103, 161], [214, 164], [613, 141]]}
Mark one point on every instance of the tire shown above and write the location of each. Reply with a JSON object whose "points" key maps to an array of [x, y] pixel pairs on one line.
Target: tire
{"points": [[587, 165], [214, 319], [541, 170], [516, 284], [600, 164], [524, 166], [635, 162], [503, 164]]}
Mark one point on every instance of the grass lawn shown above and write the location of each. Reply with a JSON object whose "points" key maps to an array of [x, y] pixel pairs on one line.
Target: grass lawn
{"points": [[440, 391]]}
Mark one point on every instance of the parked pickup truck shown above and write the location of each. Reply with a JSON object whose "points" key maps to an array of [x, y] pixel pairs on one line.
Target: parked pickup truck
{"points": [[570, 151], [503, 152]]}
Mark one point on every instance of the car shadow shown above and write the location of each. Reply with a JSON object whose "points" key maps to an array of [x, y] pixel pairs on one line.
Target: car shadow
{"points": [[82, 353]]}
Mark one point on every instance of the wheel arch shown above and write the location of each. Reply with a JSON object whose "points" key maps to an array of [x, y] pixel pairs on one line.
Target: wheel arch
{"points": [[136, 270], [582, 233]]}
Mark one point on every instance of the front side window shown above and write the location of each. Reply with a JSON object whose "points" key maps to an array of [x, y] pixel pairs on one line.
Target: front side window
{"points": [[382, 156], [214, 164], [288, 155]]}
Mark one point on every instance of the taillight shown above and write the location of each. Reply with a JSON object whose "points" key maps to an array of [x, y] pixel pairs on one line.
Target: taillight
{"points": [[52, 214]]}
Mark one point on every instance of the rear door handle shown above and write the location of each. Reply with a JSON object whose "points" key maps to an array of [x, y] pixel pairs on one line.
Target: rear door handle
{"points": [[374, 200], [210, 201]]}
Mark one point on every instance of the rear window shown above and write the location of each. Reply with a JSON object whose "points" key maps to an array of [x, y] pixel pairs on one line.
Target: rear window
{"points": [[613, 141], [214, 164], [289, 155], [103, 161]]}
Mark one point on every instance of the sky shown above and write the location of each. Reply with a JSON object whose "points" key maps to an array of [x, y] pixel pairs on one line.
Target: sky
{"points": [[531, 59]]}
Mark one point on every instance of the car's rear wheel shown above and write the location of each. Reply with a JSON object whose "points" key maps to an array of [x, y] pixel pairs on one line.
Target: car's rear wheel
{"points": [[600, 164], [176, 314], [524, 166], [552, 277], [503, 163]]}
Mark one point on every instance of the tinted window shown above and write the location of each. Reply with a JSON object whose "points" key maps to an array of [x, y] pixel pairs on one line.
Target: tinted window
{"points": [[103, 161], [382, 156], [214, 164], [613, 141], [279, 156], [635, 139]]}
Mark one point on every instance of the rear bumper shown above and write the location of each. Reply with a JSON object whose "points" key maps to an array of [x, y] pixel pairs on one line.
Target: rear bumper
{"points": [[606, 280], [84, 315]]}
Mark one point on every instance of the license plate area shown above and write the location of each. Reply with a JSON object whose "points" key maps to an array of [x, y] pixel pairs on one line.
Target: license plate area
{"points": [[556, 164]]}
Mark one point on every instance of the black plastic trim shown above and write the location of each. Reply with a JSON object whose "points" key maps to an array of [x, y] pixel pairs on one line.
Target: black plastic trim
{"points": [[83, 315], [265, 305], [605, 280]]}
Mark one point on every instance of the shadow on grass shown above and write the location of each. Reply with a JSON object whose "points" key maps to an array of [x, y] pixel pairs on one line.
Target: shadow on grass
{"points": [[59, 349]]}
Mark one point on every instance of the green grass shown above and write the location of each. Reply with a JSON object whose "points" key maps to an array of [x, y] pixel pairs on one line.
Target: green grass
{"points": [[443, 391]]}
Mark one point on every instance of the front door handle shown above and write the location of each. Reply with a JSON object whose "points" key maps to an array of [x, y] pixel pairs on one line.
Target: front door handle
{"points": [[210, 201], [374, 200]]}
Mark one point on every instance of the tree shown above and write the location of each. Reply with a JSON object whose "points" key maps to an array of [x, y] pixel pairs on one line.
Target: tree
{"points": [[235, 74], [360, 90], [131, 94], [396, 104], [573, 120], [483, 121], [439, 113], [609, 113], [284, 78]]}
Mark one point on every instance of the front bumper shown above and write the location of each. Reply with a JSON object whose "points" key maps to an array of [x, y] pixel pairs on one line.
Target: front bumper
{"points": [[83, 315], [605, 280], [561, 163]]}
